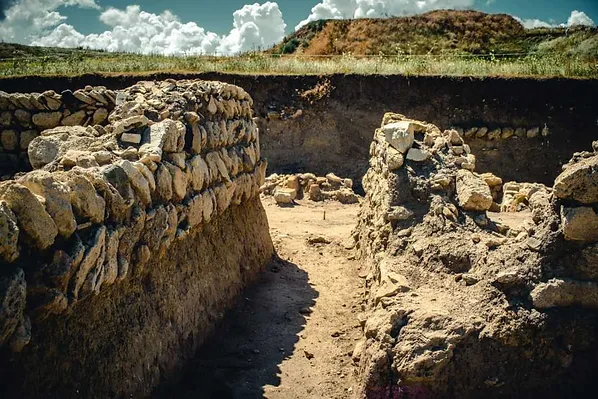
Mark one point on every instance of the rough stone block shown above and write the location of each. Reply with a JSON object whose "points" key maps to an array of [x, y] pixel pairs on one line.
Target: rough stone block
{"points": [[473, 193]]}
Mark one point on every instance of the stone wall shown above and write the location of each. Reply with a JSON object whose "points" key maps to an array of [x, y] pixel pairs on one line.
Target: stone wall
{"points": [[463, 302], [23, 116], [122, 248]]}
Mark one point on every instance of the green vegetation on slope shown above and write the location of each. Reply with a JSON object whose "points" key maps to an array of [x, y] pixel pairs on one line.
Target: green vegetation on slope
{"points": [[12, 51]]}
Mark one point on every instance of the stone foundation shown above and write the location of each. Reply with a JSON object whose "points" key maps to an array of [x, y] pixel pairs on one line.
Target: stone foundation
{"points": [[127, 242]]}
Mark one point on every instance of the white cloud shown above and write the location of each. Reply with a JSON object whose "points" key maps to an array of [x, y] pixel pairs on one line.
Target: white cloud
{"points": [[255, 26], [580, 18], [26, 19], [533, 23], [577, 18], [342, 9], [134, 30]]}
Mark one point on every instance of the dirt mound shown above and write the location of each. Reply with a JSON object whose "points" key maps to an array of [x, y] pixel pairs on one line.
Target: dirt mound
{"points": [[463, 302], [435, 32]]}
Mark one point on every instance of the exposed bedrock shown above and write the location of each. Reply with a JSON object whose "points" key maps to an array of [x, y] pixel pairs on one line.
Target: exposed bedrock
{"points": [[478, 287], [121, 250]]}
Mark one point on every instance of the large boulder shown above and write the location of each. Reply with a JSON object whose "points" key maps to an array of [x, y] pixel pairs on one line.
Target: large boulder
{"points": [[580, 224], [87, 204], [57, 197], [564, 293], [47, 120], [53, 144], [473, 193], [579, 182], [138, 182]]}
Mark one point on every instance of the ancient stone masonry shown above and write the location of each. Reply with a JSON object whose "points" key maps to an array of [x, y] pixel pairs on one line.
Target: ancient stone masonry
{"points": [[24, 116], [107, 201], [502, 133], [286, 189], [477, 286]]}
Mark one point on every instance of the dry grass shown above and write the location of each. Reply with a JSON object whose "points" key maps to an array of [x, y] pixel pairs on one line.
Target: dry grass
{"points": [[437, 32], [449, 65]]}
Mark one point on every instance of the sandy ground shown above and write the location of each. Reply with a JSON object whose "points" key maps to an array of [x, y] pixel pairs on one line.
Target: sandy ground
{"points": [[293, 333]]}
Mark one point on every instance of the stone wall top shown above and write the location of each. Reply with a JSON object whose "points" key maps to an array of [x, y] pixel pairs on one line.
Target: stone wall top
{"points": [[23, 116]]}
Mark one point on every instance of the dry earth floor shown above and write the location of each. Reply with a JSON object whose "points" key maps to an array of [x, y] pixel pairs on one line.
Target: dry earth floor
{"points": [[293, 333]]}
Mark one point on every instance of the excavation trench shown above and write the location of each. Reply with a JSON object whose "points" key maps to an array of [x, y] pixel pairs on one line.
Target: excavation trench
{"points": [[323, 319]]}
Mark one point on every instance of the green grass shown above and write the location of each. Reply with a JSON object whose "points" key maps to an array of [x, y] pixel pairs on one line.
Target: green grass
{"points": [[537, 65]]}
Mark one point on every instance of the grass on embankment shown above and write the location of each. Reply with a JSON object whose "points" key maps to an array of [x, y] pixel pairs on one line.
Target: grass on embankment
{"points": [[449, 65]]}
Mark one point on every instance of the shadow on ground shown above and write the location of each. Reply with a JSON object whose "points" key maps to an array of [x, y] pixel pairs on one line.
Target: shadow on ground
{"points": [[247, 348]]}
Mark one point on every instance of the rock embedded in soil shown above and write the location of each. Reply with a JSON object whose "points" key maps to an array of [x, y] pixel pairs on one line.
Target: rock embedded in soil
{"points": [[400, 135], [287, 188], [580, 224], [558, 293], [473, 192], [579, 182]]}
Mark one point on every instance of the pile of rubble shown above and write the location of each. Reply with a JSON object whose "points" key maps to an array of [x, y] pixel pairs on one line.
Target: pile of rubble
{"points": [[287, 188], [464, 302]]}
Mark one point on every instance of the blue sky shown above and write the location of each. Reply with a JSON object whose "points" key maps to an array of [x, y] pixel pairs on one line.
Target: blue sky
{"points": [[216, 16]]}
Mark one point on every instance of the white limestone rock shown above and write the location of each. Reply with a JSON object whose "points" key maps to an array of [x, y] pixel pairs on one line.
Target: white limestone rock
{"points": [[400, 135], [473, 194]]}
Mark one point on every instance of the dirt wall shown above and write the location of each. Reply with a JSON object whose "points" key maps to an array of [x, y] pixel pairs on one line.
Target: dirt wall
{"points": [[464, 302], [337, 113]]}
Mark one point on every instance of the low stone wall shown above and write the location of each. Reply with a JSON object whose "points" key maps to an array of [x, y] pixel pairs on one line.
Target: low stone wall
{"points": [[124, 245], [23, 116], [463, 302], [502, 133]]}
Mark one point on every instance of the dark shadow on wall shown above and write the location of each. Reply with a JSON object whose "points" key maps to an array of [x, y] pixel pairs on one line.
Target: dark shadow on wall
{"points": [[245, 352]]}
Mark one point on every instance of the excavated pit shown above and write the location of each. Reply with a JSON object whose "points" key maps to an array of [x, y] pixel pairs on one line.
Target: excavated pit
{"points": [[444, 319], [323, 124]]}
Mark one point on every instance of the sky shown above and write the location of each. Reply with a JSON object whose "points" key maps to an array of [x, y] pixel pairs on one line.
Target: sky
{"points": [[232, 26]]}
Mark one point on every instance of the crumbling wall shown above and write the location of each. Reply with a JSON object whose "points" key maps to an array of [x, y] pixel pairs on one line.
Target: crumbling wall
{"points": [[464, 302], [23, 116], [123, 247]]}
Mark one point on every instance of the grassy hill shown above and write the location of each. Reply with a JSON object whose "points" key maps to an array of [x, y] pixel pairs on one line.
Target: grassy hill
{"points": [[9, 51], [437, 32]]}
